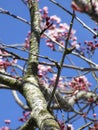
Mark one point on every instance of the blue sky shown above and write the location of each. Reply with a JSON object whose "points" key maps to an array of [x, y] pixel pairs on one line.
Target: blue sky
{"points": [[13, 31]]}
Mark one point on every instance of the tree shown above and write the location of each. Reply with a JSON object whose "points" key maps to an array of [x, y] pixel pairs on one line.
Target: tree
{"points": [[41, 80]]}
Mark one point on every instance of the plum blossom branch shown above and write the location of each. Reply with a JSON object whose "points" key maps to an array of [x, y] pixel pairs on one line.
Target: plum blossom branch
{"points": [[32, 85], [61, 63], [67, 103], [3, 63], [54, 62], [13, 54], [77, 18], [45, 57], [74, 53], [84, 25]]}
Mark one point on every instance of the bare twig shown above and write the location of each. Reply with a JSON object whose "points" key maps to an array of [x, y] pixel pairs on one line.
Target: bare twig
{"points": [[2, 86], [18, 101], [86, 125], [74, 53], [71, 67], [14, 16], [14, 55]]}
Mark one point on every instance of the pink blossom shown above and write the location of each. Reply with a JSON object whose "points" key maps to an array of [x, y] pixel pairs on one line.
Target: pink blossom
{"points": [[51, 45], [7, 121], [59, 33], [45, 9], [61, 84], [43, 70], [55, 18], [64, 26], [5, 63], [75, 44], [26, 114], [94, 115], [5, 128], [80, 83]]}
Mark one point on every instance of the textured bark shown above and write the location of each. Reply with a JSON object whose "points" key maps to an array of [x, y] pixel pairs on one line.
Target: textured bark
{"points": [[89, 7], [10, 82], [30, 90]]}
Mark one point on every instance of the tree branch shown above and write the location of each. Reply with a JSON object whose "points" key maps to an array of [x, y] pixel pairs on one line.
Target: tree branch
{"points": [[12, 15], [7, 80], [62, 61], [31, 89], [19, 102], [83, 95]]}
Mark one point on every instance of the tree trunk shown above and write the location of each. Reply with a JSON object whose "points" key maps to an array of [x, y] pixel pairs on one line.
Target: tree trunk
{"points": [[30, 90]]}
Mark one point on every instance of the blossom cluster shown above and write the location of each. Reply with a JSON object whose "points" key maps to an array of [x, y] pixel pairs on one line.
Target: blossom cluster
{"points": [[80, 83], [91, 46], [45, 77], [77, 83], [5, 62], [56, 30], [43, 72], [25, 116], [88, 47], [61, 84]]}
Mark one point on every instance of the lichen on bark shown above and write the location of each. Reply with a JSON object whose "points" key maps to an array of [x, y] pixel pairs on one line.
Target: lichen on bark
{"points": [[31, 88]]}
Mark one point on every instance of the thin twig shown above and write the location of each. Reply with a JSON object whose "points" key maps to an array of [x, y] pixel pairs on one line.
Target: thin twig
{"points": [[14, 16], [14, 55], [78, 19], [70, 66], [18, 101], [86, 125], [74, 53]]}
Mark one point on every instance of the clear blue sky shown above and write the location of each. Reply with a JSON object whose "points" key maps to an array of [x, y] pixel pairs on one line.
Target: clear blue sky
{"points": [[13, 31]]}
